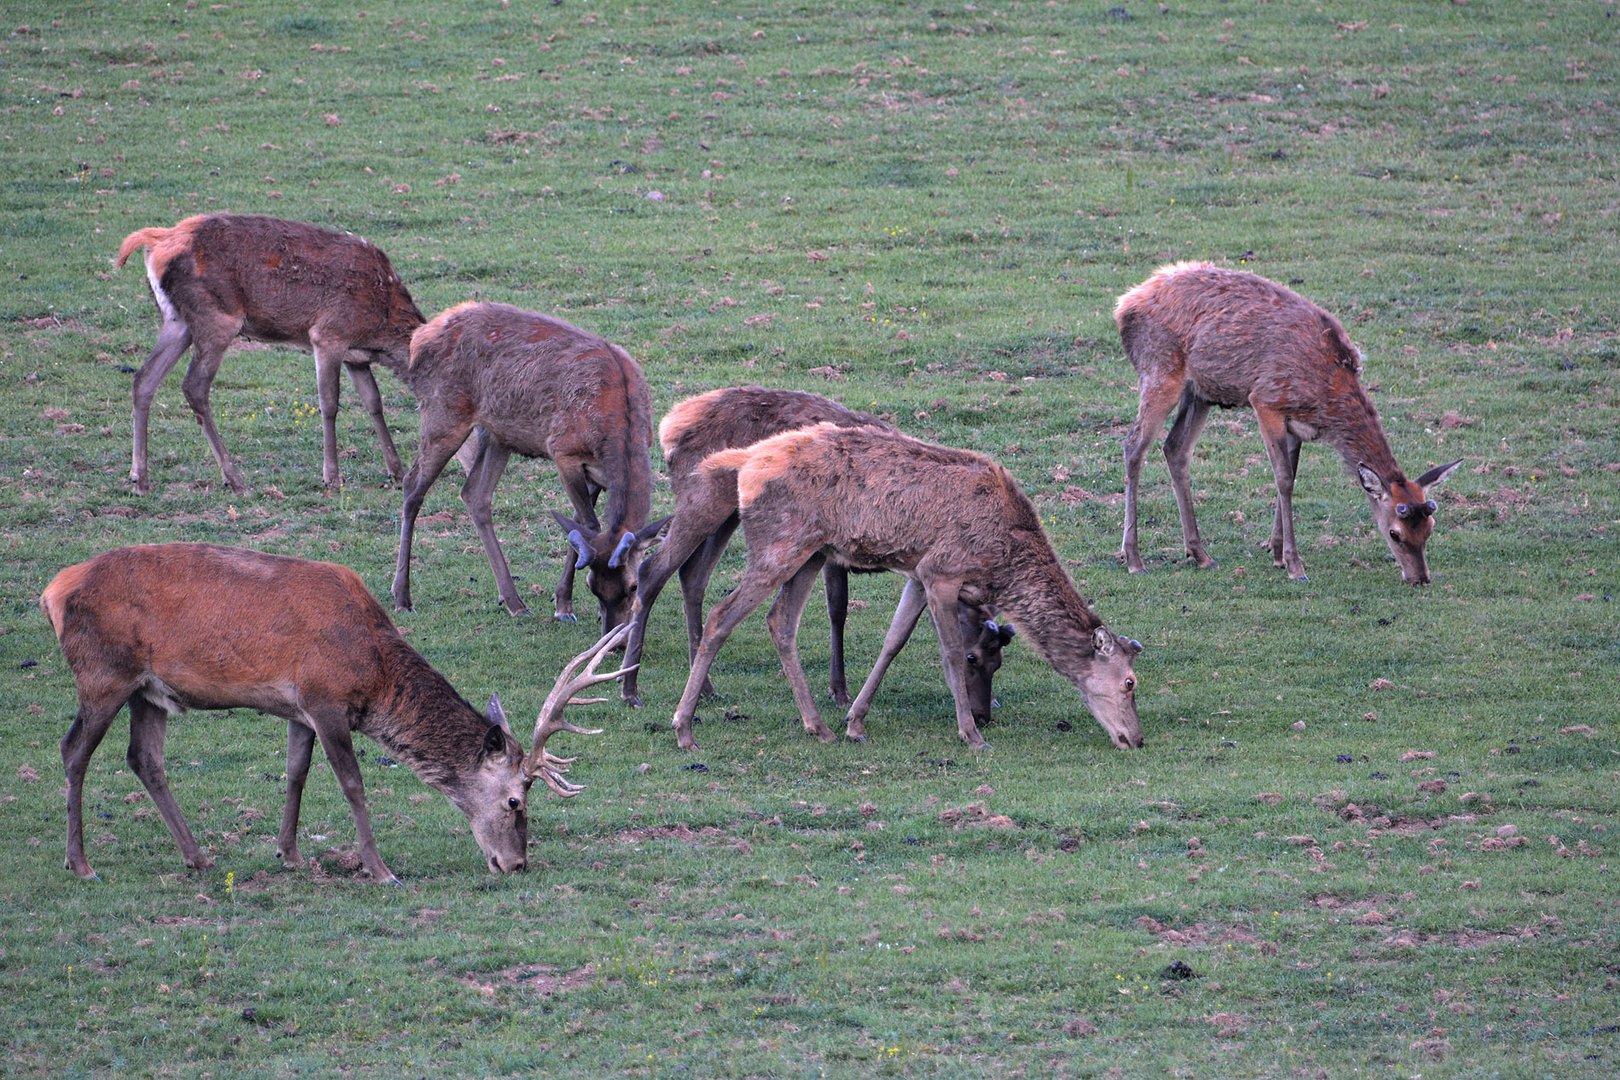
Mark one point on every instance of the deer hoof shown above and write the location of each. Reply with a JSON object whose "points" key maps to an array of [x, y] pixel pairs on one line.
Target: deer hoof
{"points": [[565, 616]]}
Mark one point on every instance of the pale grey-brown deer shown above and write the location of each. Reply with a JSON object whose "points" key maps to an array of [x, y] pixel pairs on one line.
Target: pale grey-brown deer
{"points": [[218, 277], [706, 516], [1200, 335], [953, 520], [533, 385], [169, 627]]}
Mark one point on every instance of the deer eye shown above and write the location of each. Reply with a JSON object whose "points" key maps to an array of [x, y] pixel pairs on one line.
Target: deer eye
{"points": [[1130, 685], [1395, 535], [513, 803], [972, 658]]}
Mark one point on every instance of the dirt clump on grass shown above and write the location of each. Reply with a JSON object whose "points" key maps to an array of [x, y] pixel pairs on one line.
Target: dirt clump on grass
{"points": [[544, 980]]}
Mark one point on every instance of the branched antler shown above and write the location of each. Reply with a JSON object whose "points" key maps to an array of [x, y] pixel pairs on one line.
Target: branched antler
{"points": [[545, 766]]}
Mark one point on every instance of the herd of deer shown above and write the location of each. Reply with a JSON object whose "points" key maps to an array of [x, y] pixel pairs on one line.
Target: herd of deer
{"points": [[817, 489]]}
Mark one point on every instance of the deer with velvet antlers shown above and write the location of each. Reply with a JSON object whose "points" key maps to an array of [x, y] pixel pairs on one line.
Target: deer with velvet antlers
{"points": [[534, 385], [1199, 335], [953, 521], [706, 516], [218, 277], [169, 627]]}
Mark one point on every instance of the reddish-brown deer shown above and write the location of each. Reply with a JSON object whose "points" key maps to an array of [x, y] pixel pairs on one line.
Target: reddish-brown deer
{"points": [[534, 385], [217, 277], [952, 520], [1200, 335], [167, 627], [706, 516]]}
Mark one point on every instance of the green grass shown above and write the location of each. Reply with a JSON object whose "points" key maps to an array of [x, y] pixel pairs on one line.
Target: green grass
{"points": [[927, 211]]}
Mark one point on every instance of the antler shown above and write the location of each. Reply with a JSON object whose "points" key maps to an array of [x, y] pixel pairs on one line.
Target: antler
{"points": [[544, 766]]}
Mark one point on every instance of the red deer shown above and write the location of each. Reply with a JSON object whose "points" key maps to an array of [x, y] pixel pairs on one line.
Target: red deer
{"points": [[706, 516], [1199, 335], [952, 520], [217, 277], [536, 386], [167, 627]]}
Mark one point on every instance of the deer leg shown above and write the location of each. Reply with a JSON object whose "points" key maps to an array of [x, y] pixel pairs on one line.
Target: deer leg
{"points": [[1190, 418], [783, 623], [148, 727], [174, 338], [913, 600], [328, 359], [438, 446], [1292, 448], [89, 728], [478, 492], [334, 736], [365, 385], [210, 345], [837, 587], [300, 748], [943, 597], [759, 581], [1158, 397], [695, 575], [582, 494], [675, 553], [1274, 432]]}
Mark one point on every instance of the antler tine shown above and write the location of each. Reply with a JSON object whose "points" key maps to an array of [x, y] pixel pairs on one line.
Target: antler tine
{"points": [[548, 767]]}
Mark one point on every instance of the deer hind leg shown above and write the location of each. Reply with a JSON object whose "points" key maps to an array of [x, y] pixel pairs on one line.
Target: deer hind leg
{"points": [[913, 601], [211, 339], [763, 577], [300, 748], [1292, 448], [1159, 394], [478, 492], [148, 727], [837, 589], [1189, 422], [174, 338], [439, 444], [365, 386], [783, 623], [333, 731], [90, 726], [582, 494], [1274, 432]]}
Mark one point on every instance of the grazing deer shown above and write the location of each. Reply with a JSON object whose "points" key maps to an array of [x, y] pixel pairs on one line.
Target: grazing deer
{"points": [[536, 386], [167, 627], [217, 277], [1199, 335], [952, 520], [706, 516]]}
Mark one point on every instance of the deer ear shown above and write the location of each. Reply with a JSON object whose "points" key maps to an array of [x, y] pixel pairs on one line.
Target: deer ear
{"points": [[1103, 642], [1371, 482], [495, 738], [1437, 475], [495, 714]]}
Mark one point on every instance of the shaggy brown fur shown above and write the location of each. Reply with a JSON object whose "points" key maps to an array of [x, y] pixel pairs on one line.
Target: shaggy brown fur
{"points": [[169, 627], [1199, 335], [706, 516], [953, 520], [217, 277], [536, 386]]}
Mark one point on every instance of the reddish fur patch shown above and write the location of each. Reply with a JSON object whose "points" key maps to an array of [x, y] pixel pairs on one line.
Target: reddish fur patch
{"points": [[163, 245], [759, 464], [683, 416], [429, 332], [54, 599], [1155, 281]]}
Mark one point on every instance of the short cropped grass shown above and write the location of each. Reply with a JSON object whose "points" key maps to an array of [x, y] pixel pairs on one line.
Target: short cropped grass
{"points": [[1373, 828]]}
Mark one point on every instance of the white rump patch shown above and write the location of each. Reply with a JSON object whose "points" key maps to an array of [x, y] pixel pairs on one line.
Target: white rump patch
{"points": [[163, 302], [160, 694]]}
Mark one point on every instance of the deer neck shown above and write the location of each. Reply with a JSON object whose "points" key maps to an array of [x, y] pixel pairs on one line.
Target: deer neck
{"points": [[424, 723], [1049, 612], [1359, 438]]}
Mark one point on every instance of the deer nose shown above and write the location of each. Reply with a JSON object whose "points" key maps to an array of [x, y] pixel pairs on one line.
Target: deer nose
{"points": [[1129, 743]]}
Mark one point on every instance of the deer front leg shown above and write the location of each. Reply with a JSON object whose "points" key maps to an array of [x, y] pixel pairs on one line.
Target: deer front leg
{"points": [[1158, 397], [681, 546], [300, 748], [365, 385], [334, 736], [582, 495], [913, 600], [438, 445], [148, 725], [943, 597], [1274, 432], [478, 493], [328, 359], [1178, 446], [783, 623], [837, 588], [1292, 448]]}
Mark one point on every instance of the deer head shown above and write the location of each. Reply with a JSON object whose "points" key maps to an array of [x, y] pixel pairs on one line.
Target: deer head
{"points": [[1404, 514], [611, 563], [1108, 685]]}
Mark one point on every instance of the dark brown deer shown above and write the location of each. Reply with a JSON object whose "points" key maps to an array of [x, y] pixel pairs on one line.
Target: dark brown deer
{"points": [[952, 520], [1199, 335], [168, 627], [217, 277], [536, 386], [706, 516]]}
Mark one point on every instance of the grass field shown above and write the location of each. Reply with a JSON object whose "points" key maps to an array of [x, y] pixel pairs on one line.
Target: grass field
{"points": [[1372, 830]]}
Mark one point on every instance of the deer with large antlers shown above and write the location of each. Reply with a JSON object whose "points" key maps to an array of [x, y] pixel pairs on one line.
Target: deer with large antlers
{"points": [[167, 627], [218, 277], [534, 385], [953, 521], [706, 516], [1200, 335]]}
